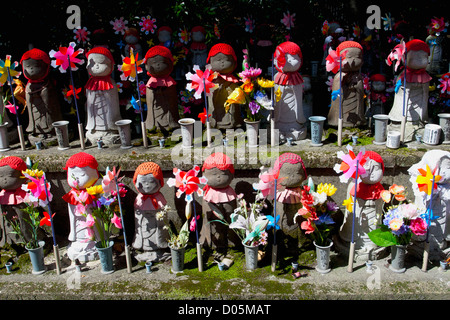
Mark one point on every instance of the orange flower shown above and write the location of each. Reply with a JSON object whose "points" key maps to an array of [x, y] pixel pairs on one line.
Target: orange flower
{"points": [[247, 86], [395, 189], [400, 197], [386, 196]]}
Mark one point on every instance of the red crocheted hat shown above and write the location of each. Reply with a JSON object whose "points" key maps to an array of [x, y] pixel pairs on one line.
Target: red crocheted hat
{"points": [[218, 160], [36, 54], [347, 44], [377, 77], [198, 29], [165, 28], [103, 51], [221, 48], [281, 50], [131, 31], [417, 45], [374, 156], [15, 163], [147, 168], [159, 51], [81, 160], [288, 157]]}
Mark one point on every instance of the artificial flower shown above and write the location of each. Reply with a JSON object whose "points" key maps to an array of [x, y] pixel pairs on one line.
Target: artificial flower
{"points": [[247, 86], [187, 182], [325, 27], [397, 54], [386, 196], [327, 188], [81, 34], [71, 92], [88, 223], [250, 74], [425, 180], [184, 36], [418, 227], [249, 24], [201, 81], [264, 83], [119, 25], [278, 94], [130, 66], [203, 116], [266, 183], [236, 97], [117, 221], [288, 20], [12, 108], [254, 107], [36, 173], [4, 66], [348, 164], [46, 220], [94, 190], [445, 83], [436, 26], [348, 203], [395, 224], [63, 55], [193, 223]]}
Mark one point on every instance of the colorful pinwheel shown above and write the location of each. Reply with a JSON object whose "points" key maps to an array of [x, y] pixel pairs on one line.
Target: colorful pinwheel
{"points": [[187, 182], [333, 60], [445, 83], [63, 55], [204, 116], [397, 54], [73, 92], [81, 34], [348, 164], [288, 20], [4, 66], [184, 36], [130, 66], [148, 24], [199, 78], [266, 183], [325, 28], [425, 180], [388, 22], [119, 25], [437, 26]]}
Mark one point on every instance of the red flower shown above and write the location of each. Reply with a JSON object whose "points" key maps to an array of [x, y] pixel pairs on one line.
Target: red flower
{"points": [[202, 116], [46, 220], [71, 92]]}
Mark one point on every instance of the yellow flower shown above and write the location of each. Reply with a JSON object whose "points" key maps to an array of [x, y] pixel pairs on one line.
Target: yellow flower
{"points": [[263, 83], [348, 203], [278, 94], [94, 190], [327, 188], [236, 97], [34, 173]]}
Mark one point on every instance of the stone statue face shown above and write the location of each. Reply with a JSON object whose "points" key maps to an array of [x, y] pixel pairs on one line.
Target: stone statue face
{"points": [[147, 184], [292, 175], [353, 60], [82, 177], [417, 59], [131, 39], [444, 171], [99, 65], [198, 36], [293, 63], [222, 63], [378, 86], [218, 178], [10, 179], [374, 172], [34, 69], [164, 36], [158, 66]]}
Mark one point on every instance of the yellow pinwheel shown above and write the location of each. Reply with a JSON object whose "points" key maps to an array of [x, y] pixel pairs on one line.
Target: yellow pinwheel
{"points": [[130, 66], [425, 180], [4, 66]]}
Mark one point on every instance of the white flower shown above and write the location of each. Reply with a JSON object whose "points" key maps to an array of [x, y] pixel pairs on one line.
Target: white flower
{"points": [[319, 198]]}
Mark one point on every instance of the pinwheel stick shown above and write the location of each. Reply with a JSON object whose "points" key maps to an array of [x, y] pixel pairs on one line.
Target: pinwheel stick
{"points": [[340, 121], [274, 246], [272, 112], [199, 247], [403, 123], [19, 126], [208, 125], [426, 248], [55, 245], [143, 128], [127, 248], [352, 244], [80, 124]]}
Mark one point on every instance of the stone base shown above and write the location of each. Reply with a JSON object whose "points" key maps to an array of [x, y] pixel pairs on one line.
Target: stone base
{"points": [[46, 139], [363, 254], [296, 134], [83, 251], [411, 129], [435, 253], [153, 256], [108, 137]]}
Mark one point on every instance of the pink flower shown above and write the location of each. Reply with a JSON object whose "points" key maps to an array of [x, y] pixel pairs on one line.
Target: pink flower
{"points": [[119, 25], [80, 210], [62, 60], [288, 20], [193, 224], [82, 197], [117, 221], [198, 78], [418, 226], [250, 73], [307, 226], [89, 222]]}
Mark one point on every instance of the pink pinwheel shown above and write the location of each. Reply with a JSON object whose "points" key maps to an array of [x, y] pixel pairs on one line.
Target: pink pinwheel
{"points": [[445, 83], [333, 60], [36, 190], [266, 183], [198, 78], [397, 54], [288, 20], [12, 108], [62, 60], [437, 26], [348, 164], [148, 24], [81, 34], [119, 25], [4, 66], [129, 66], [187, 182]]}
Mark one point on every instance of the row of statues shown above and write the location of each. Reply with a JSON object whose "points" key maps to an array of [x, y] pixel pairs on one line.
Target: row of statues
{"points": [[150, 239], [102, 98]]}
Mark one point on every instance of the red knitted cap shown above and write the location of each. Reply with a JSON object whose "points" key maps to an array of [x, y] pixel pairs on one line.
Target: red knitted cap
{"points": [[218, 160], [36, 54], [198, 29], [347, 44], [289, 158], [81, 160], [159, 51], [221, 48], [165, 28], [131, 31], [15, 163], [374, 156], [378, 77], [103, 51], [280, 53], [417, 45], [147, 168]]}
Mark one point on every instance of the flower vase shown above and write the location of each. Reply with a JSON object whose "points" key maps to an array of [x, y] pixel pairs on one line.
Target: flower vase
{"points": [[62, 134], [8, 266], [323, 257], [252, 129], [251, 257], [316, 130], [4, 140], [187, 131], [124, 133], [381, 123], [177, 259], [398, 253], [106, 257], [444, 122], [37, 258]]}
